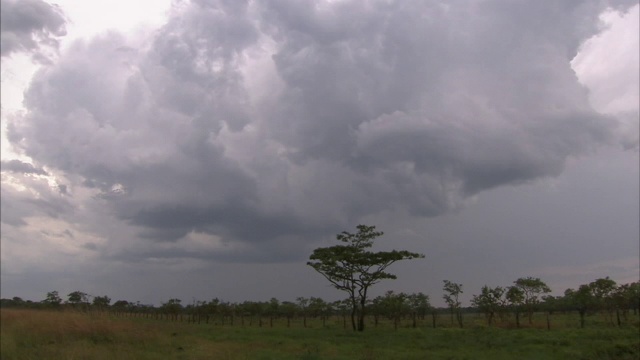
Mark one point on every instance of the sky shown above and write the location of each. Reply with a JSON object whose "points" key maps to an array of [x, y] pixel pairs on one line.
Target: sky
{"points": [[200, 149]]}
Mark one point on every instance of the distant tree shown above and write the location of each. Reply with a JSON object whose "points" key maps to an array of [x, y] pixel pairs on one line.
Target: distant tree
{"points": [[490, 301], [78, 298], [633, 295], [172, 308], [101, 302], [603, 290], [419, 305], [451, 297], [354, 269], [581, 300], [318, 308], [289, 310], [53, 299], [303, 304], [531, 289], [515, 296], [395, 306]]}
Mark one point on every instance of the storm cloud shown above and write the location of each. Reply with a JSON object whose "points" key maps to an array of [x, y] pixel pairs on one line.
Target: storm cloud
{"points": [[270, 125], [30, 26]]}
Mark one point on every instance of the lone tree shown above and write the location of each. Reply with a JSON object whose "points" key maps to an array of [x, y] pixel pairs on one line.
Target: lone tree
{"points": [[353, 268]]}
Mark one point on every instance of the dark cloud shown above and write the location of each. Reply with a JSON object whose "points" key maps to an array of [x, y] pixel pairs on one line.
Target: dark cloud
{"points": [[273, 124], [29, 25], [21, 167]]}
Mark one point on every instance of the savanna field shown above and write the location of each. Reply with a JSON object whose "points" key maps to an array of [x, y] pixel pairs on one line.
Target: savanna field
{"points": [[69, 334]]}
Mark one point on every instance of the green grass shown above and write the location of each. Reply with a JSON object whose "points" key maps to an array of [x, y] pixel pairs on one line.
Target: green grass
{"points": [[66, 335]]}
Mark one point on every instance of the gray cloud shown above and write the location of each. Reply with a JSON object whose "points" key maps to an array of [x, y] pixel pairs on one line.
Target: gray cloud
{"points": [[274, 124], [28, 25], [21, 167]]}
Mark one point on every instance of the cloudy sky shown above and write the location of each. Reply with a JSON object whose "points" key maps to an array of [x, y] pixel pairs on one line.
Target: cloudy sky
{"points": [[200, 149]]}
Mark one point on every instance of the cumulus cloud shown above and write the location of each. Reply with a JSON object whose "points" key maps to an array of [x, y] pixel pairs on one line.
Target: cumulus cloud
{"points": [[268, 125], [30, 26]]}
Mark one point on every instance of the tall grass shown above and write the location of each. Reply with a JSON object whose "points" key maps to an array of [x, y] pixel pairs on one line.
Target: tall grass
{"points": [[31, 334]]}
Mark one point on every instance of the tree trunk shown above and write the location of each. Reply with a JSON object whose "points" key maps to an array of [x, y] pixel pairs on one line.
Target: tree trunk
{"points": [[353, 317], [433, 319], [414, 324], [618, 317], [582, 312], [548, 321], [517, 319]]}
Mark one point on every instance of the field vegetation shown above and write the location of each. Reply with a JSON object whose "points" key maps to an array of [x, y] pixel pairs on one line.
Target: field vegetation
{"points": [[73, 334], [598, 320]]}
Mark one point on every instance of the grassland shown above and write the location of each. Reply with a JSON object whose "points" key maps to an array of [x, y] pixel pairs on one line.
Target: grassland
{"points": [[31, 334]]}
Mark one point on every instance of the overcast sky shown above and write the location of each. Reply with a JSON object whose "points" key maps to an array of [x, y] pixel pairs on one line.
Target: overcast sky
{"points": [[200, 149]]}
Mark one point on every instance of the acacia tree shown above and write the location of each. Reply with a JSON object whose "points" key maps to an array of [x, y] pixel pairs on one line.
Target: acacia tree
{"points": [[515, 296], [419, 304], [581, 299], [452, 293], [603, 291], [490, 301], [353, 268], [531, 288], [53, 299], [101, 302]]}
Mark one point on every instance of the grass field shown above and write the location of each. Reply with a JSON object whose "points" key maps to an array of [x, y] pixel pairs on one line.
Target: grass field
{"points": [[31, 334]]}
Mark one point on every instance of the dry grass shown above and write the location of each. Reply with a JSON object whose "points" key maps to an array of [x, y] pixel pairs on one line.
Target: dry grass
{"points": [[28, 334]]}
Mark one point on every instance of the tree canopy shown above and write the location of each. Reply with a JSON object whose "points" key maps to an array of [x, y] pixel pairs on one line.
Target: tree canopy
{"points": [[353, 268]]}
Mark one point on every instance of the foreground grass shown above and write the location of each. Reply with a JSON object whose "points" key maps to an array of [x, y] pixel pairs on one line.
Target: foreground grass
{"points": [[29, 334]]}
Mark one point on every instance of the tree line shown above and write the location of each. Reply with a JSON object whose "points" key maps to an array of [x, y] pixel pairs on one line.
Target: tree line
{"points": [[503, 304], [353, 268]]}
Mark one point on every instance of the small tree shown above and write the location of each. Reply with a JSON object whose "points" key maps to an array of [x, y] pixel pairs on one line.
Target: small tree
{"points": [[53, 299], [354, 269], [101, 302], [78, 298], [581, 300], [603, 290], [515, 296], [452, 293], [490, 301], [531, 289], [419, 304]]}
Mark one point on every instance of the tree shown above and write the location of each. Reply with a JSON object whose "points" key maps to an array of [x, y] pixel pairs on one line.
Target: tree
{"points": [[101, 302], [172, 308], [531, 289], [452, 292], [515, 296], [53, 299], [419, 304], [603, 290], [394, 306], [77, 298], [490, 301], [354, 269], [582, 300], [303, 303]]}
